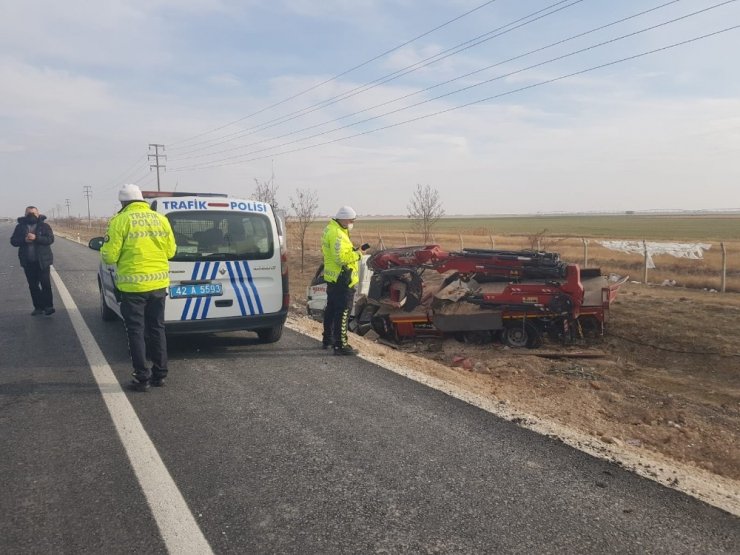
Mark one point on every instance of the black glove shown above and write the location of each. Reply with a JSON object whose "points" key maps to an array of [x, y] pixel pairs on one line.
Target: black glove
{"points": [[364, 247]]}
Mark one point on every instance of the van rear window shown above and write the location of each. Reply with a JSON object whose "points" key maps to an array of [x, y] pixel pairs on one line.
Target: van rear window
{"points": [[210, 235]]}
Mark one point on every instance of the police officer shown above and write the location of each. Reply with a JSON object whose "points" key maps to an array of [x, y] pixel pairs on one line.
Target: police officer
{"points": [[341, 265], [140, 242]]}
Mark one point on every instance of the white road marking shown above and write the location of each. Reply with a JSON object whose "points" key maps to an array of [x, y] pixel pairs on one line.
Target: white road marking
{"points": [[176, 523]]}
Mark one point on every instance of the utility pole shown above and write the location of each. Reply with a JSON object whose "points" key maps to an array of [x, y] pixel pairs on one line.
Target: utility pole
{"points": [[156, 157], [88, 194], [67, 203]]}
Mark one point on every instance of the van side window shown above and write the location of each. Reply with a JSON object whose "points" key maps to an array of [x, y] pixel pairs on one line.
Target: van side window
{"points": [[221, 235]]}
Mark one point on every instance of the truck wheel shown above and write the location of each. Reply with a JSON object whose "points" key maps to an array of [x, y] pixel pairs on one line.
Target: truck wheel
{"points": [[383, 327], [270, 335], [105, 313], [478, 337], [517, 335]]}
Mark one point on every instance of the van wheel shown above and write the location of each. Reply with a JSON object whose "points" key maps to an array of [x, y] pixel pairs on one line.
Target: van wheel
{"points": [[105, 313], [270, 335]]}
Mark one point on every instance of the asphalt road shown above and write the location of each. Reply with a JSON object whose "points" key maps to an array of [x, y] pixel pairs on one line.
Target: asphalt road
{"points": [[284, 449]]}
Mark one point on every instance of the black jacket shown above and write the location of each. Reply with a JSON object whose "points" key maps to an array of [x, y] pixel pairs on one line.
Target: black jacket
{"points": [[44, 239]]}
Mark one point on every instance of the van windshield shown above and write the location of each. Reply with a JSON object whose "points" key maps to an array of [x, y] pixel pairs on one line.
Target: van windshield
{"points": [[210, 235]]}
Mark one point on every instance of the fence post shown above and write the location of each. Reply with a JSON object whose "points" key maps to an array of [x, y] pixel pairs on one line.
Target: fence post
{"points": [[362, 239], [645, 265], [539, 245], [493, 243], [462, 246], [585, 252], [405, 239], [724, 267], [381, 244]]}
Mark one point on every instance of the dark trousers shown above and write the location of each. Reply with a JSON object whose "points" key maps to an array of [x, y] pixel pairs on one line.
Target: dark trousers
{"points": [[143, 315], [39, 283], [336, 315]]}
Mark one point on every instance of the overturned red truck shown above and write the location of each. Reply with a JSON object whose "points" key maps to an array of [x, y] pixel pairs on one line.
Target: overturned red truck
{"points": [[479, 295]]}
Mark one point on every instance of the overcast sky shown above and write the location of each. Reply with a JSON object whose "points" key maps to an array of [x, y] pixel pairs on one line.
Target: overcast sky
{"points": [[237, 89]]}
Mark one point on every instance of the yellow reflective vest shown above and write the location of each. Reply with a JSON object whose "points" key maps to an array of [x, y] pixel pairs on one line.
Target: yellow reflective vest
{"points": [[339, 253], [139, 242]]}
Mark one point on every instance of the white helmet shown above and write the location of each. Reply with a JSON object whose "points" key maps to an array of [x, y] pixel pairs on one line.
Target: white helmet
{"points": [[345, 213], [130, 192]]}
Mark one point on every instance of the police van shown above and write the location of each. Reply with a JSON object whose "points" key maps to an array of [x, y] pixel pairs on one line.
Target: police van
{"points": [[230, 270]]}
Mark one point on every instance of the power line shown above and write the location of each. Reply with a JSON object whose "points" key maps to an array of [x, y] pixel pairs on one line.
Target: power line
{"points": [[469, 87], [479, 101], [342, 74], [145, 177], [460, 47], [580, 35], [140, 162]]}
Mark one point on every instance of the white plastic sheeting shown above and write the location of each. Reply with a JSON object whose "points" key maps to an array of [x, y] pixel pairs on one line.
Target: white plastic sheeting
{"points": [[695, 251]]}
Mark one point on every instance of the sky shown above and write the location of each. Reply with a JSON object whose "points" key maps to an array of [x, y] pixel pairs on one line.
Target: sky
{"points": [[502, 107]]}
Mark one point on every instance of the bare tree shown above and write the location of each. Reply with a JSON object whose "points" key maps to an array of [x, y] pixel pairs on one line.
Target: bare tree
{"points": [[425, 209], [305, 205], [543, 241], [266, 191]]}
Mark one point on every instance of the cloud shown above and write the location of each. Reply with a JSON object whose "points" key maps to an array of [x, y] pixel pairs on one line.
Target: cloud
{"points": [[82, 93], [34, 93], [9, 148], [224, 80]]}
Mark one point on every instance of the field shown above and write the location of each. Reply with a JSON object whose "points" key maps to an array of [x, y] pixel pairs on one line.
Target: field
{"points": [[566, 234], [653, 227]]}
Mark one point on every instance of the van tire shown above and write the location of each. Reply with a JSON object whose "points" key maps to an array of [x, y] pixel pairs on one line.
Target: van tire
{"points": [[105, 312], [270, 335]]}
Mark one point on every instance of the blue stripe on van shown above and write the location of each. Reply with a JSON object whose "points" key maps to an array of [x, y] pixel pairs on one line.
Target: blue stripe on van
{"points": [[208, 299], [235, 288], [196, 307], [199, 300], [254, 288], [184, 315], [244, 287]]}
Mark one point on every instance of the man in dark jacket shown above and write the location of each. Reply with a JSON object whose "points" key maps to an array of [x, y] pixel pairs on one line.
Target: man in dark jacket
{"points": [[33, 237]]}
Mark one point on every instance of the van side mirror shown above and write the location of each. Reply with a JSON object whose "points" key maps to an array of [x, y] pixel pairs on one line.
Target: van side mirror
{"points": [[96, 243]]}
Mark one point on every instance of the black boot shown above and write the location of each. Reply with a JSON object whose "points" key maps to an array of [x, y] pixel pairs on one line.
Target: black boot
{"points": [[345, 350], [136, 385]]}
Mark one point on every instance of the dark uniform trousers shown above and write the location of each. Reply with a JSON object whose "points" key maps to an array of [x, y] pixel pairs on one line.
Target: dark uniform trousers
{"points": [[39, 283], [143, 315], [336, 314]]}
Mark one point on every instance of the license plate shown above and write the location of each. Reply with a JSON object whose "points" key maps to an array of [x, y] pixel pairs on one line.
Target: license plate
{"points": [[197, 290]]}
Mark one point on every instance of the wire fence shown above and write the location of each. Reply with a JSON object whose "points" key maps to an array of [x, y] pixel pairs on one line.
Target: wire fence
{"points": [[717, 270]]}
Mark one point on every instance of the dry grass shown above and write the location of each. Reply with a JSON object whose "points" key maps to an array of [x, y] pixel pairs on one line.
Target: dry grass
{"points": [[695, 274]]}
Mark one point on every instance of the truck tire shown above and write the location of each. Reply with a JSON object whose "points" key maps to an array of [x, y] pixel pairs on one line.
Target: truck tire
{"points": [[517, 335], [270, 335]]}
